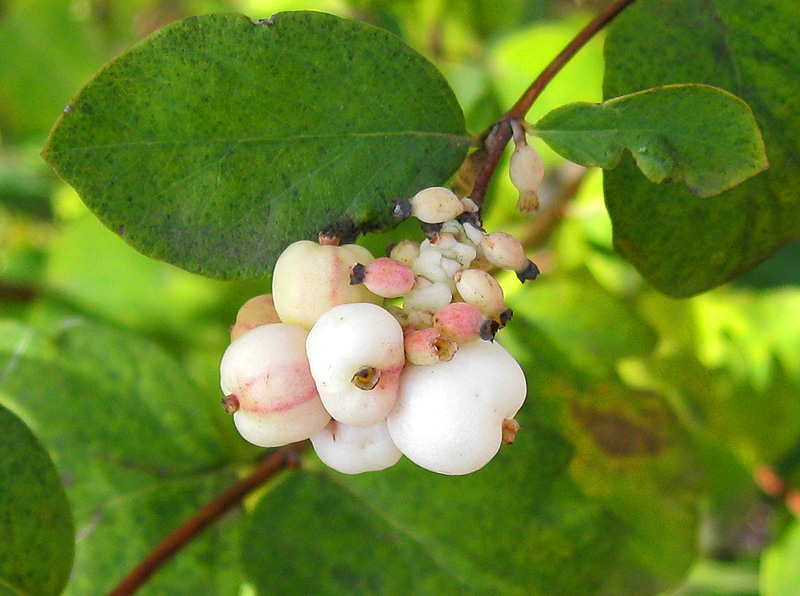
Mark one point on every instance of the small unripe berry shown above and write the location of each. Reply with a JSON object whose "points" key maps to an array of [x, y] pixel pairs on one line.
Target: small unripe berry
{"points": [[504, 251], [355, 449], [427, 346], [436, 205], [480, 289], [268, 387], [405, 251], [310, 278], [460, 322], [527, 173], [259, 310], [384, 277], [355, 352]]}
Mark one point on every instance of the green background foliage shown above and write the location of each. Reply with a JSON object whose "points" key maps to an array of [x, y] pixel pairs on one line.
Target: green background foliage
{"points": [[35, 517], [646, 417]]}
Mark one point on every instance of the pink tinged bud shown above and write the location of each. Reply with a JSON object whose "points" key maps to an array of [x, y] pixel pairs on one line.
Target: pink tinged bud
{"points": [[384, 277], [427, 346], [460, 322], [510, 430], [504, 251], [257, 311]]}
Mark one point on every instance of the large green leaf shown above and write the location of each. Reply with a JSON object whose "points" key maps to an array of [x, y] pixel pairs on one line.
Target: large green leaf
{"points": [[218, 141], [136, 443], [683, 244], [37, 543], [696, 134]]}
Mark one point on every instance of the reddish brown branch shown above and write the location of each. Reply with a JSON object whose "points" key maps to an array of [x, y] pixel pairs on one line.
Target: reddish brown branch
{"points": [[278, 460], [501, 131]]}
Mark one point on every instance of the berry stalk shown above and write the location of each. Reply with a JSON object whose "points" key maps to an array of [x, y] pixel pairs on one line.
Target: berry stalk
{"points": [[500, 133]]}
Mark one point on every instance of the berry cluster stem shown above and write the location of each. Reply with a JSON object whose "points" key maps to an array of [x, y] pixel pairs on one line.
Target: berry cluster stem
{"points": [[275, 462], [501, 131]]}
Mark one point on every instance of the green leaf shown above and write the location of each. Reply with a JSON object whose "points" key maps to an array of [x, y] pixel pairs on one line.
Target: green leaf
{"points": [[218, 141], [35, 518], [137, 444], [696, 134], [682, 244], [779, 575]]}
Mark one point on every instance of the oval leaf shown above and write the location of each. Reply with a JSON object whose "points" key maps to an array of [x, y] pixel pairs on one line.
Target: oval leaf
{"points": [[218, 141], [683, 244], [38, 537], [696, 134]]}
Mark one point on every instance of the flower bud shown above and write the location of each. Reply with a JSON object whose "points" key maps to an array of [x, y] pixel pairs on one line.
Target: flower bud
{"points": [[436, 205], [527, 173]]}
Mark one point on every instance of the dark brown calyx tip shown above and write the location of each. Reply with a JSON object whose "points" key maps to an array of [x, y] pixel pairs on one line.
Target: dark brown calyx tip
{"points": [[230, 404], [357, 273], [530, 272]]}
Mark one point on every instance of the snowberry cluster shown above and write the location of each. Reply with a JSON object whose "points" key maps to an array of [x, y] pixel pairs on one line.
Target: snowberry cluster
{"points": [[377, 358]]}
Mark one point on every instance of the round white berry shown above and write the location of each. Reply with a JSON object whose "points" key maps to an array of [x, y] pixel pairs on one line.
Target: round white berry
{"points": [[449, 416], [259, 310], [355, 449], [267, 383], [310, 278], [356, 354]]}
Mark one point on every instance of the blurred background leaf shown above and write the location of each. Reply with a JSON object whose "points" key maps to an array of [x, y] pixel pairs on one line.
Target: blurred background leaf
{"points": [[35, 517]]}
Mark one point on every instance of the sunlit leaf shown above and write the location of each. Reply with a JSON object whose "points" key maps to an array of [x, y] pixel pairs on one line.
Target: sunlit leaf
{"points": [[695, 134]]}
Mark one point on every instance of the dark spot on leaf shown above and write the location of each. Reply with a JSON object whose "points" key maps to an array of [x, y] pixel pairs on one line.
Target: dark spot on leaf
{"points": [[616, 434], [121, 231]]}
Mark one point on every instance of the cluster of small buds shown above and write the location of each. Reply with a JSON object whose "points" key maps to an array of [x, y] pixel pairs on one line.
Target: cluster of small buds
{"points": [[373, 359]]}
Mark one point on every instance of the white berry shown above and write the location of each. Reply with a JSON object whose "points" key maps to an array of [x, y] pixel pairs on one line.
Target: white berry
{"points": [[449, 416], [310, 278], [267, 383], [355, 449], [356, 354], [259, 310]]}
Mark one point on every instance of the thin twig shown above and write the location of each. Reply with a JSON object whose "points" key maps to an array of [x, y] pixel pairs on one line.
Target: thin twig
{"points": [[278, 460], [502, 128]]}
